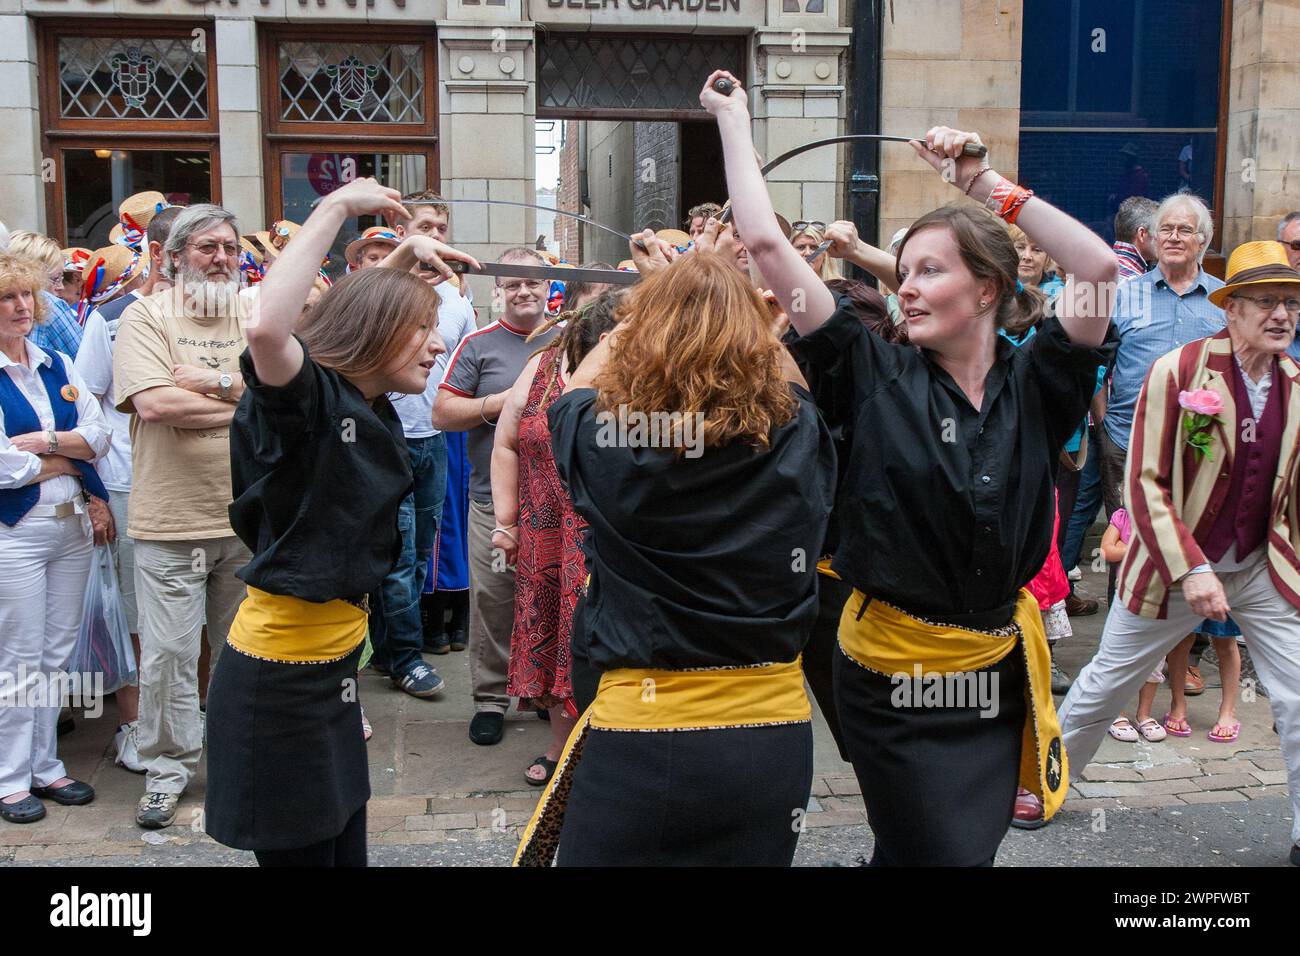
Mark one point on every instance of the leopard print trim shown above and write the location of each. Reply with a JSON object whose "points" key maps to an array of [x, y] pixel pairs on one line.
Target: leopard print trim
{"points": [[678, 730], [276, 660], [541, 839]]}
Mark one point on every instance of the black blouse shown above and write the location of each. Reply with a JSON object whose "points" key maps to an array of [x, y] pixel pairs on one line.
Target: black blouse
{"points": [[317, 474], [696, 562], [946, 510]]}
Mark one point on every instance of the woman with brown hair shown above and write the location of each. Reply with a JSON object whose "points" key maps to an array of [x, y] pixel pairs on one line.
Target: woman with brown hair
{"points": [[946, 507], [690, 445], [318, 469], [537, 529]]}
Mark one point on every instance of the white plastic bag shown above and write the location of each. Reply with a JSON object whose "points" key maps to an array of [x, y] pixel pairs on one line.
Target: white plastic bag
{"points": [[104, 644]]}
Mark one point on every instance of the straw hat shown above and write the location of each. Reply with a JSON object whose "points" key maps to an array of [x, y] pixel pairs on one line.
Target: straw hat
{"points": [[674, 237], [135, 214], [1256, 263], [274, 240], [107, 271], [380, 234], [74, 258]]}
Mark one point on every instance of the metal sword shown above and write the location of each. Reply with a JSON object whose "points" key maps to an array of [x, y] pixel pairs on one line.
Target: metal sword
{"points": [[518, 270]]}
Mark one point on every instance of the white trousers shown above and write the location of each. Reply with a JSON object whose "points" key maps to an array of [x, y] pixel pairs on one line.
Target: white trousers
{"points": [[1131, 646], [44, 566]]}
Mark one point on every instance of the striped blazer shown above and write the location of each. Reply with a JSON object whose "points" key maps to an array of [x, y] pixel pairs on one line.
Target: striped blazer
{"points": [[1174, 495]]}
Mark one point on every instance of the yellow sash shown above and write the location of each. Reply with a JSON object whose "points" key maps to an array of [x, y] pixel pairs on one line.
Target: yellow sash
{"points": [[280, 628], [664, 700], [890, 641]]}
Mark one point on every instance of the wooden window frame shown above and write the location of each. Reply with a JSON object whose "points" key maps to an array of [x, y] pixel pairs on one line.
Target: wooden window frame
{"points": [[60, 133], [287, 136]]}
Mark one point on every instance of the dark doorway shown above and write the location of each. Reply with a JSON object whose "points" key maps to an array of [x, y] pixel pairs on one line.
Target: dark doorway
{"points": [[704, 178]]}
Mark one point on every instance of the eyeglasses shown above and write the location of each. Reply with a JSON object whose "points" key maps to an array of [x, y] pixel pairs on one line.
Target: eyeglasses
{"points": [[803, 224], [209, 249], [1270, 302], [1184, 232], [1293, 244], [521, 285]]}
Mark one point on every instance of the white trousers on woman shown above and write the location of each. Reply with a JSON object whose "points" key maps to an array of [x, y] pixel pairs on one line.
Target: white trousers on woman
{"points": [[1131, 646], [44, 566]]}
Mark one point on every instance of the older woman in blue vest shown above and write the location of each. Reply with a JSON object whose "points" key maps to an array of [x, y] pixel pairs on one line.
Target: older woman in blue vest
{"points": [[51, 430]]}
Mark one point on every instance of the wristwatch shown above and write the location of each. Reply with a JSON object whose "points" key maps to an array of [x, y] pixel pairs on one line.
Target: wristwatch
{"points": [[53, 438], [225, 381]]}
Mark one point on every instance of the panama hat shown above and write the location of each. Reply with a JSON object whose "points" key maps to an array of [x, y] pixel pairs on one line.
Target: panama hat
{"points": [[674, 237], [1256, 263], [274, 240], [106, 272], [135, 214], [380, 234]]}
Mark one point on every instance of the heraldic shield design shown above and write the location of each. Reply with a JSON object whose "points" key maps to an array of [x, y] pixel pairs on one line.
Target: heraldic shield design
{"points": [[353, 81], [134, 75]]}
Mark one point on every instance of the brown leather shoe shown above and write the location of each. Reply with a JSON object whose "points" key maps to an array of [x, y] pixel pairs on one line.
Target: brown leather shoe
{"points": [[1076, 606], [1195, 683]]}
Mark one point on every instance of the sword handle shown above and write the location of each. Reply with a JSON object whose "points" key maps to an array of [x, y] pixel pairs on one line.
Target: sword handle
{"points": [[455, 265], [723, 85], [974, 149]]}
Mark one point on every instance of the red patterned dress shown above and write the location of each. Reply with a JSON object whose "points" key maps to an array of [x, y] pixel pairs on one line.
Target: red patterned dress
{"points": [[550, 570]]}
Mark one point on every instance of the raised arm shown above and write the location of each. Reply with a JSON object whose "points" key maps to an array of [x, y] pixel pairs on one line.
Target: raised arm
{"points": [[797, 287], [846, 245], [416, 249], [276, 354], [1087, 262]]}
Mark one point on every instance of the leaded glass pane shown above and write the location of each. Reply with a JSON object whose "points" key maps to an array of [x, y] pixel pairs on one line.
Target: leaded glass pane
{"points": [[351, 82], [588, 71], [157, 78]]}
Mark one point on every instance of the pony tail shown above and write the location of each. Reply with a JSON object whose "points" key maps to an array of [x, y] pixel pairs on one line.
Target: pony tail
{"points": [[1023, 309]]}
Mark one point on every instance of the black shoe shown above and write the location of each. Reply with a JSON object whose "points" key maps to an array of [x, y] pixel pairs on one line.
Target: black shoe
{"points": [[544, 715], [458, 626], [379, 668], [73, 794], [1061, 684], [1295, 854], [438, 643], [66, 724], [29, 810], [487, 727]]}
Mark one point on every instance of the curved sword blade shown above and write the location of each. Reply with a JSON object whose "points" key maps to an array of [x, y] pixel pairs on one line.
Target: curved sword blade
{"points": [[524, 205]]}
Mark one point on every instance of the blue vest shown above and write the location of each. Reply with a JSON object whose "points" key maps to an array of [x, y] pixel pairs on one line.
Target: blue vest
{"points": [[21, 418]]}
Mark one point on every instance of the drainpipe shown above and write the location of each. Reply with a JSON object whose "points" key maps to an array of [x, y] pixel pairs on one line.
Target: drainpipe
{"points": [[865, 117]]}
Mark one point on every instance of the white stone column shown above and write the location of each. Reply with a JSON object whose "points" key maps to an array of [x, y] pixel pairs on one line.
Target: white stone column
{"points": [[798, 96], [487, 88], [240, 121], [22, 188]]}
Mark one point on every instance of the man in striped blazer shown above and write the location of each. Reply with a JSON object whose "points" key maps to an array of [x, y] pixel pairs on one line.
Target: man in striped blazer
{"points": [[1211, 489]]}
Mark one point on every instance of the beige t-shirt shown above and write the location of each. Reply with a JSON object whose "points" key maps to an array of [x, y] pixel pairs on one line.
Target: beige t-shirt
{"points": [[180, 487]]}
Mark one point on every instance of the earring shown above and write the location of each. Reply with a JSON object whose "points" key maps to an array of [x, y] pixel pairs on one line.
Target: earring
{"points": [[984, 303]]}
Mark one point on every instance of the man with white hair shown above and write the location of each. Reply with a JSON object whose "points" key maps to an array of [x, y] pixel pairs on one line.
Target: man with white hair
{"points": [[176, 372], [1154, 314]]}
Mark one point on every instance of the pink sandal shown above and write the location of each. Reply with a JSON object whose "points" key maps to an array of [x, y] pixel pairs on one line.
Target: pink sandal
{"points": [[1225, 738], [1178, 727]]}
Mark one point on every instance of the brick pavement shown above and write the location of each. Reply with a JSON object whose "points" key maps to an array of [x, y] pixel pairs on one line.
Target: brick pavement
{"points": [[432, 786]]}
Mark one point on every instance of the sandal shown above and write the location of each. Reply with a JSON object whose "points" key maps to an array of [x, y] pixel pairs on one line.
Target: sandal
{"points": [[1225, 738], [1151, 730], [27, 810], [546, 763], [366, 730], [1178, 727], [1121, 729]]}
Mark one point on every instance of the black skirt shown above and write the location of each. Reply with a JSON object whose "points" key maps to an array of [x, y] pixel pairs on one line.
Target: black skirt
{"points": [[286, 759], [731, 797], [939, 783]]}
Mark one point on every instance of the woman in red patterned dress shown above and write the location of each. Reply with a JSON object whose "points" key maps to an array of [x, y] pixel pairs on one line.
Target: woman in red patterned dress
{"points": [[538, 531]]}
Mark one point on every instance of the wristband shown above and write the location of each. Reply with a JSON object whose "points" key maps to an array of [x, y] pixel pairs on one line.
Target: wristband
{"points": [[970, 185], [1011, 210], [482, 412]]}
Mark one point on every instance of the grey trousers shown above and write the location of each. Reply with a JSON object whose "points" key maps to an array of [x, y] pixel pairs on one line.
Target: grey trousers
{"points": [[176, 582], [1132, 645], [491, 612]]}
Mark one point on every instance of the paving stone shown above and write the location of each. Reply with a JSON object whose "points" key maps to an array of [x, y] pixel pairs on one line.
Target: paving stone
{"points": [[1101, 774], [820, 788], [1258, 793], [421, 822], [1269, 776], [1087, 806], [1151, 800], [1214, 796], [1171, 771], [115, 849], [842, 803], [404, 838], [1149, 788], [15, 836], [1233, 765], [6, 853], [461, 804], [1269, 763], [844, 786], [396, 806], [453, 821], [381, 824], [834, 818], [25, 854], [1226, 781]]}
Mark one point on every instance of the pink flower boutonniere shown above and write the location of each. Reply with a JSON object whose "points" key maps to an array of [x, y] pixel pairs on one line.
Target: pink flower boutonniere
{"points": [[1203, 407]]}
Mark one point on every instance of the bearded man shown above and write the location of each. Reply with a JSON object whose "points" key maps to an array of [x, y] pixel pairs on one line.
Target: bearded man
{"points": [[176, 371]]}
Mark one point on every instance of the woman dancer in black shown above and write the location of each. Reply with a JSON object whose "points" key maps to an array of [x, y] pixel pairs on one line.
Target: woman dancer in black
{"points": [[946, 510]]}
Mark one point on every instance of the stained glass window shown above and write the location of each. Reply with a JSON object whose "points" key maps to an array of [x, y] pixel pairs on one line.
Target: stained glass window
{"points": [[351, 82], [155, 78]]}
